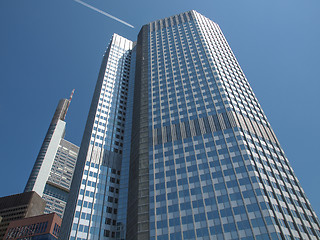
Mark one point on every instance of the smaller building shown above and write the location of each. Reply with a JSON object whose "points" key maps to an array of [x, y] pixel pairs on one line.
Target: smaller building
{"points": [[44, 227], [19, 206]]}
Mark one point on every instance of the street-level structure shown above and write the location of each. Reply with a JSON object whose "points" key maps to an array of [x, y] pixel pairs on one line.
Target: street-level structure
{"points": [[41, 227], [19, 206]]}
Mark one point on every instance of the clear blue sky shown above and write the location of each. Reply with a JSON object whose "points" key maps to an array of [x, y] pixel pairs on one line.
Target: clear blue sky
{"points": [[49, 47]]}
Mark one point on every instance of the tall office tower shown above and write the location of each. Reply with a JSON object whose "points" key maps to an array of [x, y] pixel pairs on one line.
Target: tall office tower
{"points": [[93, 206], [53, 170], [202, 159], [205, 163]]}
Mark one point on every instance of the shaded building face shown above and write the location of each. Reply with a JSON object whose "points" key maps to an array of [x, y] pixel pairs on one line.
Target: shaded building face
{"points": [[213, 164]]}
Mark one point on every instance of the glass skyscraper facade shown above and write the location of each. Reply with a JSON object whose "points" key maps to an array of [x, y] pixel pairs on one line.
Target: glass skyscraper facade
{"points": [[215, 167], [92, 211], [199, 157]]}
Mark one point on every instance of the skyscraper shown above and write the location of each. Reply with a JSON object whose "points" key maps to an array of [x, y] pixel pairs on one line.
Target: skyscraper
{"points": [[93, 207], [53, 169], [204, 161]]}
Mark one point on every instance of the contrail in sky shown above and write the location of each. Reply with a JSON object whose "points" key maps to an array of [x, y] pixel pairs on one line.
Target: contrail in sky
{"points": [[104, 13]]}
